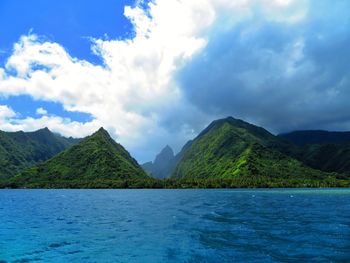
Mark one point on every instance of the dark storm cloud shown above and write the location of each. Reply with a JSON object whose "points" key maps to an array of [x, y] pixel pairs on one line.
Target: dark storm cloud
{"points": [[280, 75]]}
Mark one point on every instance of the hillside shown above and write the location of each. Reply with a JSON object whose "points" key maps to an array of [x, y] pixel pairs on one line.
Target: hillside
{"points": [[20, 150], [97, 157], [323, 150], [231, 148]]}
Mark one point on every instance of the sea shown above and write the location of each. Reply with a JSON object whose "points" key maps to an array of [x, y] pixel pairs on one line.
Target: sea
{"points": [[216, 225]]}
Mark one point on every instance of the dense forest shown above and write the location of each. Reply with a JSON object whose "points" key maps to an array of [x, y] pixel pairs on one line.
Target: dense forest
{"points": [[153, 183], [229, 153]]}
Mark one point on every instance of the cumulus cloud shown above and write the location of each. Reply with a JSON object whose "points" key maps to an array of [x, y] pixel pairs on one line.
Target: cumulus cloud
{"points": [[284, 75], [6, 113], [63, 126], [41, 111], [134, 86], [12, 121], [187, 63]]}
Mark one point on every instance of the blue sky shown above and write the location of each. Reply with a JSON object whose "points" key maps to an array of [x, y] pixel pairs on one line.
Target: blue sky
{"points": [[70, 23], [156, 73], [26, 106]]}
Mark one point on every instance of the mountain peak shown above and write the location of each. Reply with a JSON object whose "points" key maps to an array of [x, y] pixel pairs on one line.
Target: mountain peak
{"points": [[228, 120], [163, 164], [97, 157], [165, 155], [46, 130], [238, 124], [234, 121], [167, 150], [229, 148], [102, 131]]}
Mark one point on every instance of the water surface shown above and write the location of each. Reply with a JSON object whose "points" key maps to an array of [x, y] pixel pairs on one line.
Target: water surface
{"points": [[282, 225]]}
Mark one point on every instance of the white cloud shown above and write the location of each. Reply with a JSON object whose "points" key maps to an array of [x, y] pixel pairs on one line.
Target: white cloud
{"points": [[6, 113], [11, 121], [136, 87], [58, 124], [41, 111]]}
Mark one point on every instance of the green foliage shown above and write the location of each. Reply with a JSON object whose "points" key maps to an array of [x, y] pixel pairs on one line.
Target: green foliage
{"points": [[327, 157], [97, 157], [152, 183], [326, 151], [230, 149], [20, 150], [229, 153]]}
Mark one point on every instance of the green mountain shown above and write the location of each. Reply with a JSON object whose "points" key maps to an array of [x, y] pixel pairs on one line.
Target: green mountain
{"points": [[163, 165], [20, 150], [228, 153], [323, 150], [97, 157], [328, 157], [302, 138], [231, 148]]}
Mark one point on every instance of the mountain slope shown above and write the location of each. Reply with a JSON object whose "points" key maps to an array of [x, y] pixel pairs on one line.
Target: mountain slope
{"points": [[230, 148], [96, 157], [323, 150], [327, 157], [163, 165], [19, 150]]}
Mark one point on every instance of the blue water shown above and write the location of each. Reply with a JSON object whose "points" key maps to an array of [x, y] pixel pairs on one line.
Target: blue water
{"points": [[175, 225]]}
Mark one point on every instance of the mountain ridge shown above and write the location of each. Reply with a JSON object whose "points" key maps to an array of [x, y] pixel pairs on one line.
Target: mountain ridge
{"points": [[96, 157], [163, 164], [20, 150], [328, 151], [230, 147], [228, 152]]}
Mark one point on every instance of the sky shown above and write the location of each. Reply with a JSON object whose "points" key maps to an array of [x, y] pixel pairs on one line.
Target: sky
{"points": [[157, 72]]}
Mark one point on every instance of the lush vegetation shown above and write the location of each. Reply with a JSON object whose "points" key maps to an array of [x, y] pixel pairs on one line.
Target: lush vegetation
{"points": [[229, 153], [327, 157], [326, 151], [20, 150], [230, 149], [97, 157], [152, 183]]}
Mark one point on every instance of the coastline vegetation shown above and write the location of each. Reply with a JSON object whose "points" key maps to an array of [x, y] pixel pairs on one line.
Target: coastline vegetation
{"points": [[152, 183], [229, 153]]}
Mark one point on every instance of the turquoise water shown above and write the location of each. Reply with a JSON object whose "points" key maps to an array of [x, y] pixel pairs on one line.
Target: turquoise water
{"points": [[175, 225]]}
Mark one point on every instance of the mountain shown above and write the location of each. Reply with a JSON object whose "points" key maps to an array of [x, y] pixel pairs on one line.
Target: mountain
{"points": [[327, 157], [302, 138], [323, 150], [20, 150], [163, 165], [97, 157], [231, 148]]}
